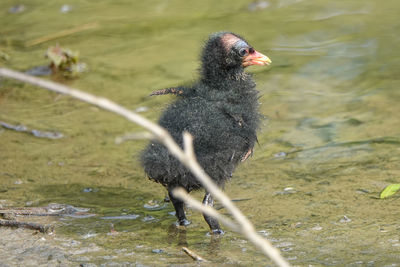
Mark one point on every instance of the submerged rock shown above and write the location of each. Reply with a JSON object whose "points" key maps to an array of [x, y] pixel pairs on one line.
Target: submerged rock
{"points": [[37, 133], [17, 9], [39, 71], [121, 217]]}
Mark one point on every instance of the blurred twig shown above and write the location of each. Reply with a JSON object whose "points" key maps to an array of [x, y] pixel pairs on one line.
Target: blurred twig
{"points": [[63, 33], [185, 156], [193, 255]]}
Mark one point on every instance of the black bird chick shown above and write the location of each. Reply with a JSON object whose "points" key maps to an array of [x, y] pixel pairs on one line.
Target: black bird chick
{"points": [[220, 110]]}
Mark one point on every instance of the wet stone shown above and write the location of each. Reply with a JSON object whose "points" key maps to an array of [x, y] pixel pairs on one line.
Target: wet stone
{"points": [[39, 71], [280, 155], [154, 205], [158, 251], [264, 233], [121, 217], [345, 219], [65, 9], [258, 5], [141, 109], [90, 190], [148, 218], [89, 235]]}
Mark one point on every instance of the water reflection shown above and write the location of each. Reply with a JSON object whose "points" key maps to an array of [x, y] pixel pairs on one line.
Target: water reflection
{"points": [[177, 235]]}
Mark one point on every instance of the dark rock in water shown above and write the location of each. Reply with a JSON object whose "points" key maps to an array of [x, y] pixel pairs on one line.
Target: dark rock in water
{"points": [[37, 133], [39, 71]]}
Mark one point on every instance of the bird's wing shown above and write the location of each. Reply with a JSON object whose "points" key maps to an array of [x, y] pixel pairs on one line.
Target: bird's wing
{"points": [[242, 124]]}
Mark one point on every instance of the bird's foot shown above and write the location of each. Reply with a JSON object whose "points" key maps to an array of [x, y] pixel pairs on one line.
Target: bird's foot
{"points": [[183, 222], [216, 232]]}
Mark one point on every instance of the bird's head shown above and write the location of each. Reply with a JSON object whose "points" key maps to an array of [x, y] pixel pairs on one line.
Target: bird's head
{"points": [[226, 52]]}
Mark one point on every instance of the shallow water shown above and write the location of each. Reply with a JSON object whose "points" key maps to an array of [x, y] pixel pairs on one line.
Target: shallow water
{"points": [[328, 146]]}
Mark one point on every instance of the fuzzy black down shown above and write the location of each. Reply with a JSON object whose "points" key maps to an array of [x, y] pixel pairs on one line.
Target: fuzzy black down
{"points": [[220, 111]]}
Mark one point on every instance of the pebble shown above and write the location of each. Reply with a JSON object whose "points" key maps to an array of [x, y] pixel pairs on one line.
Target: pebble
{"points": [[317, 228], [280, 155], [258, 5], [141, 109], [264, 233], [157, 250], [17, 9], [65, 9], [148, 218], [345, 219]]}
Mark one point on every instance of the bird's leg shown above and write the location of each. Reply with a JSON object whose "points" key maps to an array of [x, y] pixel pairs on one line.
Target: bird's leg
{"points": [[213, 223], [179, 211]]}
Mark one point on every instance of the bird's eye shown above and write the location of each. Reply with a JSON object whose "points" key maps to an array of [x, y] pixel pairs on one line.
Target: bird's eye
{"points": [[243, 52]]}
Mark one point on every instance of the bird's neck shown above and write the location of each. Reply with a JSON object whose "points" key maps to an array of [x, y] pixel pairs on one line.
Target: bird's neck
{"points": [[227, 79]]}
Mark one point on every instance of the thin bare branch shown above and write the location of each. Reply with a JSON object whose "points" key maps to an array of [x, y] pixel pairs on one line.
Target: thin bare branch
{"points": [[246, 228], [62, 34], [188, 145], [193, 255]]}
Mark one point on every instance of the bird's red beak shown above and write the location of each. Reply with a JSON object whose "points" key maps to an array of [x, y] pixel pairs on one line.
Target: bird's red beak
{"points": [[256, 58]]}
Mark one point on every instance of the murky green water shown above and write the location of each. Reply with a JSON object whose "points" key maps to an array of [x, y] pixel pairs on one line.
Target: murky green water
{"points": [[332, 133]]}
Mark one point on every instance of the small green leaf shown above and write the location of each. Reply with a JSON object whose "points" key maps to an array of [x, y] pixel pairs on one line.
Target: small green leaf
{"points": [[390, 190]]}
